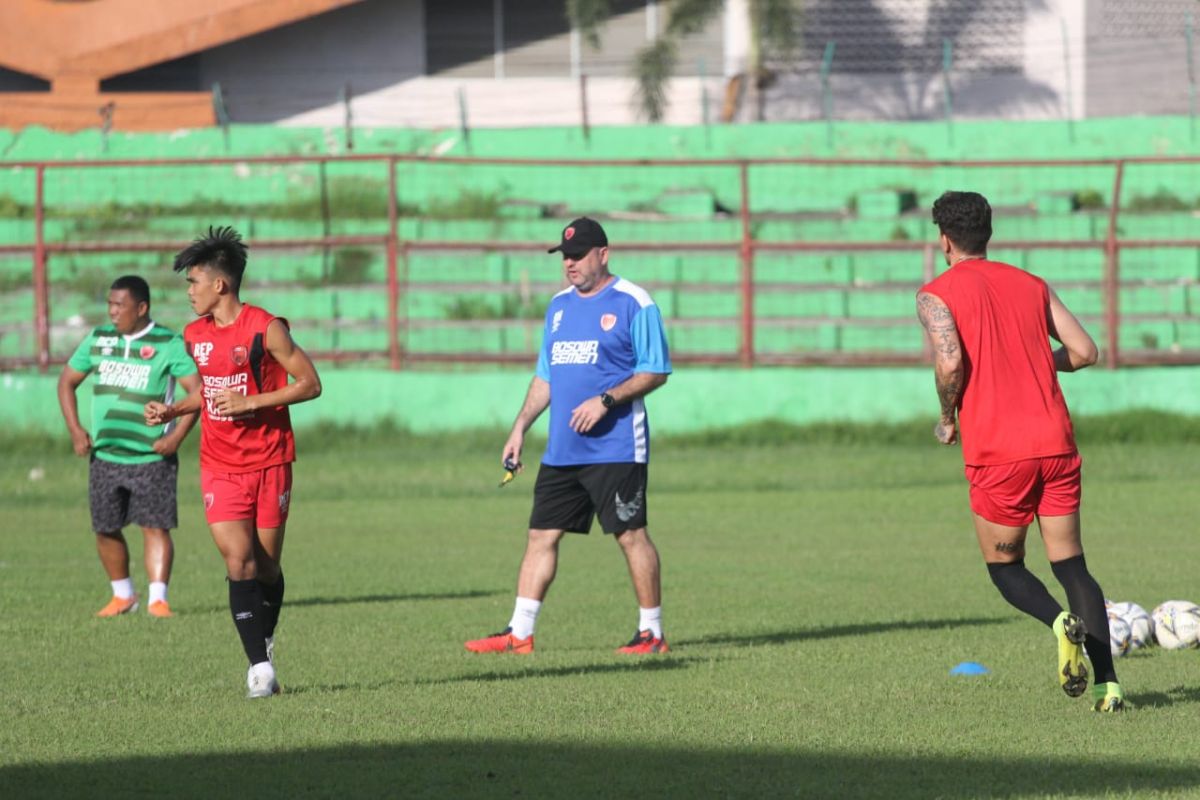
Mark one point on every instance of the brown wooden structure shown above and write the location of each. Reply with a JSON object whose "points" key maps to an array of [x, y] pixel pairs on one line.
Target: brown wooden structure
{"points": [[75, 44]]}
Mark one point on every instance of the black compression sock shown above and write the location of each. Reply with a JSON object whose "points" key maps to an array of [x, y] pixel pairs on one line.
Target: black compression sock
{"points": [[1086, 600], [272, 594], [246, 604], [1022, 589]]}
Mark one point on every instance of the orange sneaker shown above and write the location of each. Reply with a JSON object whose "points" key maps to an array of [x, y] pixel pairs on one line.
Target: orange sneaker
{"points": [[159, 608], [643, 643], [502, 642], [118, 606]]}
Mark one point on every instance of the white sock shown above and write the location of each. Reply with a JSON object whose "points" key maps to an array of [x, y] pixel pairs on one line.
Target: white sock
{"points": [[123, 588], [524, 618], [650, 619], [158, 591]]}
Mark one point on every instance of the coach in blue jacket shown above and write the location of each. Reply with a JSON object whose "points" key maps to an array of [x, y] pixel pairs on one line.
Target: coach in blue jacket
{"points": [[604, 349]]}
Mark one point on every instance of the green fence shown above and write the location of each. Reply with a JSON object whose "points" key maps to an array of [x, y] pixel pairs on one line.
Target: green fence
{"points": [[484, 300]]}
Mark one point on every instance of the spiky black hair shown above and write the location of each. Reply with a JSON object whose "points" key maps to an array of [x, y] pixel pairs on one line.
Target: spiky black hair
{"points": [[222, 249], [966, 219]]}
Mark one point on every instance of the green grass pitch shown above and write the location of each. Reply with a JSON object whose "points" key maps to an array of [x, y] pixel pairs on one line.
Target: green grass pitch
{"points": [[817, 593]]}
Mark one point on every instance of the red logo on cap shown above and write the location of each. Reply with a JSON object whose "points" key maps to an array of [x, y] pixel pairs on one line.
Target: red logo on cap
{"points": [[568, 233]]}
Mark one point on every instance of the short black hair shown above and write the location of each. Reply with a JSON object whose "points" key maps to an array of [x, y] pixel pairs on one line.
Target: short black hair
{"points": [[222, 249], [966, 220], [137, 287]]}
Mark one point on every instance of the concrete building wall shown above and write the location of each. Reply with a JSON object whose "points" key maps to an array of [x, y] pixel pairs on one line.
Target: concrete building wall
{"points": [[289, 73], [1008, 60], [295, 75], [417, 62], [1137, 57], [1011, 59]]}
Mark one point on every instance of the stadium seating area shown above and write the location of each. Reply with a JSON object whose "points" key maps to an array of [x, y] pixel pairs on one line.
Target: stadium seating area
{"points": [[487, 298]]}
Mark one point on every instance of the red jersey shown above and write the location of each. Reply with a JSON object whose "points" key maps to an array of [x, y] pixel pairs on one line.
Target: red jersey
{"points": [[235, 357], [1012, 407]]}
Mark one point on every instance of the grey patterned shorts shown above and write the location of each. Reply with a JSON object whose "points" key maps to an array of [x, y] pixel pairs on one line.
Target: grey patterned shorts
{"points": [[142, 494]]}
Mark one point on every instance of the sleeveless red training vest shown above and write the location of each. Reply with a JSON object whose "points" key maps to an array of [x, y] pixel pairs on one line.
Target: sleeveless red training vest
{"points": [[1013, 407], [235, 357]]}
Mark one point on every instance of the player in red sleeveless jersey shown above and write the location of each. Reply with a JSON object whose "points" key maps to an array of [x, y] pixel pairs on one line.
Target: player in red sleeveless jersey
{"points": [[245, 356], [990, 325]]}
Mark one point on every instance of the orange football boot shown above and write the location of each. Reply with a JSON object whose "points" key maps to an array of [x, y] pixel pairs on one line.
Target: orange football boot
{"points": [[502, 642], [159, 608], [118, 606], [644, 643]]}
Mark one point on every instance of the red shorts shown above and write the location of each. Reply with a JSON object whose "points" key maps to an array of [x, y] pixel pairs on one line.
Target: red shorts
{"points": [[1011, 494], [262, 495]]}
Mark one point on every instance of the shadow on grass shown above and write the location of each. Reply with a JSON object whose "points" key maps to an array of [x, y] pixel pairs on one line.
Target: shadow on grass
{"points": [[1180, 694], [391, 598], [371, 598], [658, 664], [842, 631], [537, 769]]}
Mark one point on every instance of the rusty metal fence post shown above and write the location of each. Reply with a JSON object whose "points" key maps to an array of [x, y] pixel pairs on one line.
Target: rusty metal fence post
{"points": [[393, 276], [1112, 276], [746, 346], [41, 282]]}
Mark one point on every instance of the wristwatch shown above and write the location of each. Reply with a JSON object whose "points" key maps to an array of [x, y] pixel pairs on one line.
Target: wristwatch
{"points": [[607, 399]]}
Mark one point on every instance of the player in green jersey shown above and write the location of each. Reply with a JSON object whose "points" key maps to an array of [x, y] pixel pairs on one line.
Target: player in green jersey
{"points": [[133, 470]]}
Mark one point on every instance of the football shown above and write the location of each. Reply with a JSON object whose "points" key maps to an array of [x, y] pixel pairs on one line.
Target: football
{"points": [[1176, 624], [1141, 629], [1119, 635], [1141, 626]]}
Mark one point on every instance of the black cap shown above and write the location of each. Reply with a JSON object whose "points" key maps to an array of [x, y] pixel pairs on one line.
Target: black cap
{"points": [[580, 236]]}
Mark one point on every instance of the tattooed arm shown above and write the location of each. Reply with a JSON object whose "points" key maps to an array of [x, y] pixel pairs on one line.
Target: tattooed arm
{"points": [[948, 368]]}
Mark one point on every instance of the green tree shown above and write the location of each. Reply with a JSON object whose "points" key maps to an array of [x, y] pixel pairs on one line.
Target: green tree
{"points": [[773, 29]]}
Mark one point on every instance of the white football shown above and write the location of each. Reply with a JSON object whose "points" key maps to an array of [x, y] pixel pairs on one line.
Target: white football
{"points": [[1135, 611], [1176, 624], [1169, 606], [1122, 610], [1119, 635], [1141, 630], [1141, 626]]}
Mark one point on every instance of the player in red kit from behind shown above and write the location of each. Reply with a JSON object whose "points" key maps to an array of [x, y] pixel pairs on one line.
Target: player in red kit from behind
{"points": [[245, 356], [990, 325]]}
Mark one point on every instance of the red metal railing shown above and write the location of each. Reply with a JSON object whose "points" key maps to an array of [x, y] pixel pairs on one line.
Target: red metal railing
{"points": [[745, 249]]}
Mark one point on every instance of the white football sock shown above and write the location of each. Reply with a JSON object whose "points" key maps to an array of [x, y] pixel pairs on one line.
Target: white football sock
{"points": [[524, 618], [123, 588], [650, 619], [158, 591]]}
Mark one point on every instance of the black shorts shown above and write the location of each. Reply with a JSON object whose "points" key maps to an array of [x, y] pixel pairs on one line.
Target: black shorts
{"points": [[142, 494], [565, 498]]}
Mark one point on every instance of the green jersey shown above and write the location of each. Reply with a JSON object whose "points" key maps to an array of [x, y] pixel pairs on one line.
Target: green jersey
{"points": [[130, 371]]}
